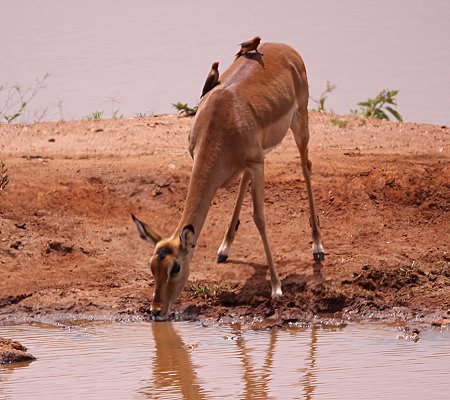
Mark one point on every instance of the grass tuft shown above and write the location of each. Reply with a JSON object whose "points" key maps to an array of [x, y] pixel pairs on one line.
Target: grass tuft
{"points": [[323, 97], [204, 290], [341, 123], [94, 116]]}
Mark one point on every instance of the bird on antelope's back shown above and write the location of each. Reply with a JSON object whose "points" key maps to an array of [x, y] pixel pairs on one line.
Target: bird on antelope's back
{"points": [[249, 45], [212, 79]]}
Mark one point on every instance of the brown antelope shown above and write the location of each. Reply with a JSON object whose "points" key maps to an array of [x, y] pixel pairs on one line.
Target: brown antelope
{"points": [[260, 97]]}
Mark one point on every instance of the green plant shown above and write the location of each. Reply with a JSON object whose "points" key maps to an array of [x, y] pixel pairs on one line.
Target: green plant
{"points": [[323, 97], [4, 178], [14, 99], [116, 115], [341, 123], [374, 107], [204, 290], [38, 117], [115, 108], [184, 108], [61, 110], [95, 116], [140, 115]]}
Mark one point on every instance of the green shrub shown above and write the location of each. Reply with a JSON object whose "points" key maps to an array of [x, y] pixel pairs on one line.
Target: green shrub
{"points": [[14, 99], [374, 107], [184, 108]]}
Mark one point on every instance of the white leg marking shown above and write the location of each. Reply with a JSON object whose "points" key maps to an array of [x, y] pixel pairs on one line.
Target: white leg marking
{"points": [[317, 248], [277, 292], [224, 249]]}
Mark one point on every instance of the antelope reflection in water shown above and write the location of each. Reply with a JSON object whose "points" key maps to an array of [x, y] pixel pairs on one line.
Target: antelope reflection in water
{"points": [[257, 386], [175, 375], [309, 379], [173, 369]]}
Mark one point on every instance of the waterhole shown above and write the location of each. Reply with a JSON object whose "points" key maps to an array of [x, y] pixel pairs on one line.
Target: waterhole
{"points": [[138, 57], [190, 361]]}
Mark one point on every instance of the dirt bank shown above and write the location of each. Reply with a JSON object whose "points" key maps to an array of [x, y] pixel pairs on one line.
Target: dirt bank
{"points": [[68, 246], [11, 351]]}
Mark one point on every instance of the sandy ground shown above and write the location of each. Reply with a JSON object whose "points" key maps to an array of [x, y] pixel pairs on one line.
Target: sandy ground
{"points": [[68, 247]]}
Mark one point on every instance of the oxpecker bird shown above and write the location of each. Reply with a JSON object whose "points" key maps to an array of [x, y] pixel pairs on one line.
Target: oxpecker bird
{"points": [[249, 45], [212, 79]]}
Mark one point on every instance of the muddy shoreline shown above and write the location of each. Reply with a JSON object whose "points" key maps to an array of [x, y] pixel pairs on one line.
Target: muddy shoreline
{"points": [[68, 248]]}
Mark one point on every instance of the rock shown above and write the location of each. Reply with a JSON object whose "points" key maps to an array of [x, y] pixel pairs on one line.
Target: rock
{"points": [[191, 346], [440, 322], [11, 351], [59, 247]]}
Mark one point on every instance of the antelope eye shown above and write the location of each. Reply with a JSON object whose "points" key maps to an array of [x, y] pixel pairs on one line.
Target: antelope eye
{"points": [[175, 269]]}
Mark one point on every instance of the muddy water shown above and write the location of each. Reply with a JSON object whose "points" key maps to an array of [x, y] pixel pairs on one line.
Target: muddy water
{"points": [[189, 361], [140, 56]]}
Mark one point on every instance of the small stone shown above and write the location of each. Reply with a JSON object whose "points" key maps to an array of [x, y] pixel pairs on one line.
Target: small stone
{"points": [[11, 351], [192, 346]]}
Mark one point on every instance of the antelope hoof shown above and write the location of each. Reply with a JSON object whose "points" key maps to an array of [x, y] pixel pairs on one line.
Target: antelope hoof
{"points": [[276, 293], [221, 258], [319, 256]]}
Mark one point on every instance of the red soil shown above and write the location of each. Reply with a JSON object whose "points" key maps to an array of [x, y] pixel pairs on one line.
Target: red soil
{"points": [[69, 247]]}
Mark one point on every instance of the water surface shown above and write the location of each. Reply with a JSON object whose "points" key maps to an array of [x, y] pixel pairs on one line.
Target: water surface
{"points": [[140, 56], [189, 361]]}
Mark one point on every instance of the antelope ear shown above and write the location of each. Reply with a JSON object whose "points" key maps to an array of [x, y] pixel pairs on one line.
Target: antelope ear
{"points": [[145, 232], [187, 238]]}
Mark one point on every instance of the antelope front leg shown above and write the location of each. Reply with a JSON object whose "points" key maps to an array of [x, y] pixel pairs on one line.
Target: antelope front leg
{"points": [[224, 249], [257, 176]]}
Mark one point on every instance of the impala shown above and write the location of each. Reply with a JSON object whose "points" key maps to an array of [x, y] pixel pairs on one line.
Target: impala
{"points": [[259, 97]]}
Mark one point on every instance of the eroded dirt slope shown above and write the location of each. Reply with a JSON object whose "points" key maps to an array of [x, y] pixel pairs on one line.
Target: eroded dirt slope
{"points": [[68, 246]]}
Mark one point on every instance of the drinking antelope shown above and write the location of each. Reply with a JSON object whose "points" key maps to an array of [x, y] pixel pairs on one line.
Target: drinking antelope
{"points": [[260, 97]]}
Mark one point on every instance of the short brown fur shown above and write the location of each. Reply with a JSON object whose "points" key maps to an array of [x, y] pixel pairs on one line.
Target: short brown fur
{"points": [[259, 98]]}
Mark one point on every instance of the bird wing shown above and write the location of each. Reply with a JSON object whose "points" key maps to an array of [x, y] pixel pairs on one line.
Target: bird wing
{"points": [[246, 43], [209, 83]]}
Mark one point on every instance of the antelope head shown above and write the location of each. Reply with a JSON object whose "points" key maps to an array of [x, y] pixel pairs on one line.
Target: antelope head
{"points": [[169, 265]]}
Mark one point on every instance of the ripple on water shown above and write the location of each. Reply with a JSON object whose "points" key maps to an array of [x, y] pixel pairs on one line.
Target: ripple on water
{"points": [[186, 360]]}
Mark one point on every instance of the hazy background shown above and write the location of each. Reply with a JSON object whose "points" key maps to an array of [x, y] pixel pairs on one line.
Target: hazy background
{"points": [[140, 56]]}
